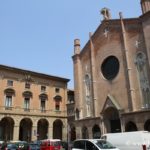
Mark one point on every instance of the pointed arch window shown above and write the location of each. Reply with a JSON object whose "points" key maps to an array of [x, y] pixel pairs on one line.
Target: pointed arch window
{"points": [[141, 64], [87, 85]]}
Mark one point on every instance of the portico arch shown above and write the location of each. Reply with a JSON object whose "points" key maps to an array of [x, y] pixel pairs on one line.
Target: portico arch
{"points": [[130, 126], [57, 129], [112, 120], [147, 125], [25, 129], [6, 129], [42, 129]]}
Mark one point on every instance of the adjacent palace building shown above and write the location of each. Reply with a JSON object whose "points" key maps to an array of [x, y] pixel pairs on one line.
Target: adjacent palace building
{"points": [[32, 105], [112, 77]]}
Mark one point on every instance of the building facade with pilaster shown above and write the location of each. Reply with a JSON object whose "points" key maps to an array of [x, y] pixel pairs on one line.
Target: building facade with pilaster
{"points": [[112, 76], [32, 105]]}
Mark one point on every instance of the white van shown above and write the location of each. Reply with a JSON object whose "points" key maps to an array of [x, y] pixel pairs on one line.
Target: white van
{"points": [[92, 144], [129, 140]]}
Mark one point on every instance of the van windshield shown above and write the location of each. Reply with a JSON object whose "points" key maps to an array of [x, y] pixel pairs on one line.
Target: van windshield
{"points": [[104, 144]]}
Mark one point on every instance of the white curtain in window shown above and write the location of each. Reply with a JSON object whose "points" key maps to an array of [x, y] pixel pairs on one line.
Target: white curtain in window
{"points": [[8, 101]]}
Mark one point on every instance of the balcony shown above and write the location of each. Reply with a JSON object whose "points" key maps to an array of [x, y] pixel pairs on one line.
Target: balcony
{"points": [[8, 108], [26, 111]]}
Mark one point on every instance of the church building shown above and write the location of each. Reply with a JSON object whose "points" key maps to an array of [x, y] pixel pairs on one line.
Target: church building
{"points": [[112, 76]]}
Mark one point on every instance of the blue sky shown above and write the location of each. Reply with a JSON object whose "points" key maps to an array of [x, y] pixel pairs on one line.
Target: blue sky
{"points": [[38, 35]]}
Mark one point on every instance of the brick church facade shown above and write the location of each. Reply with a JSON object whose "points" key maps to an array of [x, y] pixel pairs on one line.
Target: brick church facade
{"points": [[112, 77]]}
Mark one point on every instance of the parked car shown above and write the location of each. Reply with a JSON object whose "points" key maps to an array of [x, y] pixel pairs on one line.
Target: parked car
{"points": [[51, 144], [92, 144], [37, 142], [22, 145], [1, 143], [34, 146], [64, 145], [9, 146]]}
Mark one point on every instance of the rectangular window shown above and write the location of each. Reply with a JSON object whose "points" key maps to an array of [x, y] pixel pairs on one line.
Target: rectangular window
{"points": [[57, 105], [27, 104], [57, 90], [8, 102], [43, 105], [9, 83], [43, 88], [27, 85]]}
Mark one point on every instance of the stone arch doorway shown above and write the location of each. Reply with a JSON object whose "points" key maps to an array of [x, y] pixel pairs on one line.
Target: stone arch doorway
{"points": [[147, 125], [85, 133], [25, 130], [96, 132], [42, 129], [112, 120], [130, 126], [6, 129], [57, 129]]}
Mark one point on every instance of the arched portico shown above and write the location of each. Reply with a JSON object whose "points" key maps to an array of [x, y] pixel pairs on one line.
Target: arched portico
{"points": [[112, 120], [96, 131], [147, 125], [130, 126], [42, 129], [25, 129], [57, 129], [6, 129]]}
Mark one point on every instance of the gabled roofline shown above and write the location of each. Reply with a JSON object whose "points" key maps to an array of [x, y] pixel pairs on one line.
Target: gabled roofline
{"points": [[105, 22], [113, 104]]}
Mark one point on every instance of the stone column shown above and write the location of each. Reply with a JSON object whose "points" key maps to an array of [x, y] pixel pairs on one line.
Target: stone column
{"points": [[16, 132], [50, 129], [65, 132], [90, 132], [122, 124], [34, 133], [78, 133], [50, 132], [102, 126]]}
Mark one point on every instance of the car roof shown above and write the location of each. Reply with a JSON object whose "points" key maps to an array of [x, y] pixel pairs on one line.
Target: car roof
{"points": [[89, 140]]}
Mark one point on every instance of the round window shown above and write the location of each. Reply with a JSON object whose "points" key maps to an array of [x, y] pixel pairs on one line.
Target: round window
{"points": [[110, 67]]}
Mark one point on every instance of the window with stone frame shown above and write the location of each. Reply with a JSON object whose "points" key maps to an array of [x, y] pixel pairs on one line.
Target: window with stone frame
{"points": [[26, 104], [43, 105], [57, 90], [9, 83], [57, 105], [43, 88], [27, 85], [8, 102]]}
